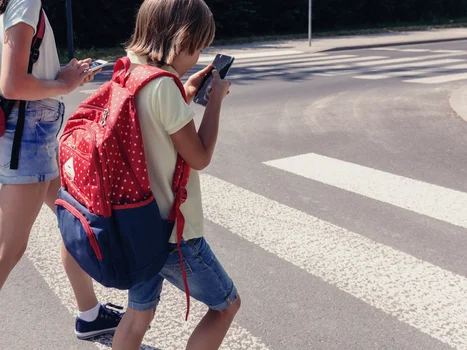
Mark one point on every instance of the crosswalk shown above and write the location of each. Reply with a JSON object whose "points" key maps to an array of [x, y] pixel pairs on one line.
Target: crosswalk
{"points": [[419, 288], [427, 67], [428, 298]]}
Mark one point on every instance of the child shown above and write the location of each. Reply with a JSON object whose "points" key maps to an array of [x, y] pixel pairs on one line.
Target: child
{"points": [[171, 34], [24, 190]]}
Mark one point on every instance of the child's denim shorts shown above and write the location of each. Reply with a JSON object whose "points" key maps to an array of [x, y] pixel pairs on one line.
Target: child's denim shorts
{"points": [[39, 144], [207, 280]]}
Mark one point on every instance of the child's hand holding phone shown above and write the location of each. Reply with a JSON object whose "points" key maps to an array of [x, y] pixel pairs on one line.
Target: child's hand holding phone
{"points": [[220, 87], [222, 64], [194, 82]]}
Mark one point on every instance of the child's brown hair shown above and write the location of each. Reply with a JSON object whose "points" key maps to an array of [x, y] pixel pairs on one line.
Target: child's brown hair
{"points": [[165, 28]]}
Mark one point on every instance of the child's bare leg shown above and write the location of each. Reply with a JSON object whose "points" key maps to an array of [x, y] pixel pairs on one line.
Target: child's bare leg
{"points": [[131, 330], [211, 331], [81, 283]]}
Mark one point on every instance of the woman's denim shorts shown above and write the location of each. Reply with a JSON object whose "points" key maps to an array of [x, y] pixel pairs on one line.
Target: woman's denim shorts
{"points": [[39, 144]]}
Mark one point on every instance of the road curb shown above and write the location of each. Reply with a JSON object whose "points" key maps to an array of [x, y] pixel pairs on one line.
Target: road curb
{"points": [[458, 102], [372, 46]]}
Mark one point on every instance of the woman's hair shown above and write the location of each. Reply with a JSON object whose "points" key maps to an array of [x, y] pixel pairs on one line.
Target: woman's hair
{"points": [[166, 28], [3, 5]]}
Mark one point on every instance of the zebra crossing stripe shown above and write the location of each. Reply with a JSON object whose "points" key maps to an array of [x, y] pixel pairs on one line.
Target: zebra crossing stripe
{"points": [[422, 64], [276, 53], [385, 49], [410, 59], [438, 79], [458, 66], [420, 197], [414, 50], [372, 76], [317, 64], [413, 291], [289, 61], [450, 51]]}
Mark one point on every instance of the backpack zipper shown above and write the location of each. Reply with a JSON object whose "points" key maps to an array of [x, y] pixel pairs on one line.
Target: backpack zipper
{"points": [[104, 118], [101, 181], [103, 121], [87, 228]]}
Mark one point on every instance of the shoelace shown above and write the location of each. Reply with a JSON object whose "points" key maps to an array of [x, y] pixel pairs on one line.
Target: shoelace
{"points": [[113, 309]]}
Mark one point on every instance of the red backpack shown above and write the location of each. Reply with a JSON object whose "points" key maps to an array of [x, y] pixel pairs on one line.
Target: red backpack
{"points": [[107, 213]]}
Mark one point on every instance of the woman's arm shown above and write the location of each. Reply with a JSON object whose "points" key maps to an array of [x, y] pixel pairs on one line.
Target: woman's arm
{"points": [[17, 84]]}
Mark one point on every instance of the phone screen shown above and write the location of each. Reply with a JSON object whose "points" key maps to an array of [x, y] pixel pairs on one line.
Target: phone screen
{"points": [[222, 64], [95, 65]]}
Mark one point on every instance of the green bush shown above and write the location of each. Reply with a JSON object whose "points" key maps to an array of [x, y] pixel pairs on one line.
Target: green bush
{"points": [[111, 22]]}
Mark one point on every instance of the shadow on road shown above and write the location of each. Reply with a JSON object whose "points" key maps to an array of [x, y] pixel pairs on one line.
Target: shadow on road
{"points": [[107, 341]]}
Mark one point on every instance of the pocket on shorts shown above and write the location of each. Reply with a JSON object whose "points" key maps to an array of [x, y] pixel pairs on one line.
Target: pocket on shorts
{"points": [[49, 116], [5, 157], [172, 266], [6, 141]]}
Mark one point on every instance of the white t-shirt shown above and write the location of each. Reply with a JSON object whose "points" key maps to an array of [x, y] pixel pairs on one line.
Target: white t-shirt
{"points": [[162, 111], [27, 11]]}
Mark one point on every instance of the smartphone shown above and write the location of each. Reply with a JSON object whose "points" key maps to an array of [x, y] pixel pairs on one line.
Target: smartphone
{"points": [[222, 64], [97, 64]]}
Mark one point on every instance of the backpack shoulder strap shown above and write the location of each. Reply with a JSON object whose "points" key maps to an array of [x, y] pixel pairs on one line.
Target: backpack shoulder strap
{"points": [[141, 76], [33, 57], [37, 40]]}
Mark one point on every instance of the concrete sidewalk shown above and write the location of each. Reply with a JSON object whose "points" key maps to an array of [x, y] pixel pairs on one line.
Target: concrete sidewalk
{"points": [[343, 42], [458, 102]]}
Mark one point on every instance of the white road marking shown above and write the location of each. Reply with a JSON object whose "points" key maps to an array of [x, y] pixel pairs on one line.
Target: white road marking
{"points": [[450, 51], [409, 59], [415, 292], [255, 55], [420, 197], [169, 330], [407, 73], [289, 61], [439, 79], [385, 49], [372, 76], [457, 66], [422, 64], [415, 50], [388, 75], [319, 64]]}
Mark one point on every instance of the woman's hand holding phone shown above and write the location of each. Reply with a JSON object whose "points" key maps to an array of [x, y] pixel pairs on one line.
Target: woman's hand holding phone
{"points": [[74, 74]]}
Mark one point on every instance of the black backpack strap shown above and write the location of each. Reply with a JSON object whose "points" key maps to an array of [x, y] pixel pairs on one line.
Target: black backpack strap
{"points": [[34, 56]]}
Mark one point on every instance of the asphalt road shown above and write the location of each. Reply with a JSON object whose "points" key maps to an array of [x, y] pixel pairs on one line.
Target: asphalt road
{"points": [[337, 201]]}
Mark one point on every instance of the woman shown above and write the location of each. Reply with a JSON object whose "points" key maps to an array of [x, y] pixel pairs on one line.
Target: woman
{"points": [[34, 181]]}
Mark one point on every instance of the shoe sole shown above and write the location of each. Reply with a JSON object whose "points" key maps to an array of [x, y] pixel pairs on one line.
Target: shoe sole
{"points": [[88, 335]]}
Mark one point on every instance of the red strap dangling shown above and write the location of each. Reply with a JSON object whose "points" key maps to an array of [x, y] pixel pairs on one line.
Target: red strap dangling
{"points": [[180, 180]]}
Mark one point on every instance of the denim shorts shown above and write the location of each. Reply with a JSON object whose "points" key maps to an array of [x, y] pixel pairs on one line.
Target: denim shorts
{"points": [[39, 144], [207, 280]]}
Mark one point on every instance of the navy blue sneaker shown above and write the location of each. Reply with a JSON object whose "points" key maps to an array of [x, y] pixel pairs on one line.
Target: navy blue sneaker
{"points": [[105, 323]]}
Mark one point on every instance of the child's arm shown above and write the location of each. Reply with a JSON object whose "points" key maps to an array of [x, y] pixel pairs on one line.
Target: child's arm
{"points": [[17, 84], [197, 148]]}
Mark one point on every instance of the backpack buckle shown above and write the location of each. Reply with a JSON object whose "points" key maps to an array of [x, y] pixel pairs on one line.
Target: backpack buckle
{"points": [[34, 56]]}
